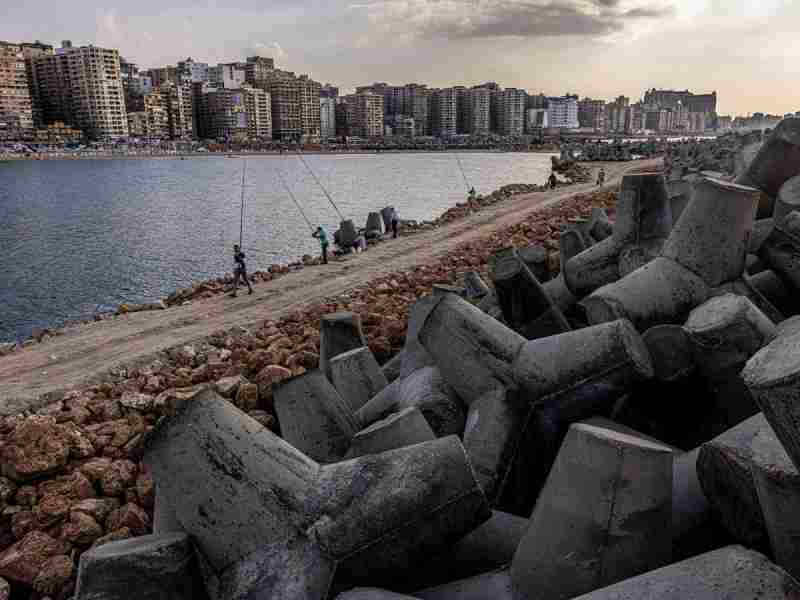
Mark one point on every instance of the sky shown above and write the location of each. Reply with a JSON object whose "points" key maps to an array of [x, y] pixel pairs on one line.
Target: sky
{"points": [[746, 51]]}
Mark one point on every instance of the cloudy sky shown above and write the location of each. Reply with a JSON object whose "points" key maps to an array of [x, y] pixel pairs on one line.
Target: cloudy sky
{"points": [[748, 51]]}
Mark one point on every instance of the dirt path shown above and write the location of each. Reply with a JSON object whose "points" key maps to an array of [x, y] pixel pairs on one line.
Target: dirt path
{"points": [[83, 353]]}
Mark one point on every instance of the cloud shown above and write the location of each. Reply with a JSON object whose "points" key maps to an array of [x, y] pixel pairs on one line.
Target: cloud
{"points": [[469, 19], [108, 31], [273, 50]]}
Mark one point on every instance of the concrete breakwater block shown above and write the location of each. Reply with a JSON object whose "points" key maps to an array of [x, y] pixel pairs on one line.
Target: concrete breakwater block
{"points": [[475, 286], [372, 594], [775, 291], [773, 377], [415, 356], [339, 333], [671, 353], [314, 418], [374, 224], [348, 232], [680, 193], [535, 258], [600, 517], [600, 226], [777, 161], [732, 573], [404, 428], [560, 294], [426, 390], [386, 215], [723, 468], [270, 522], [357, 376], [151, 566], [526, 307], [788, 199], [707, 247], [780, 252], [644, 220]]}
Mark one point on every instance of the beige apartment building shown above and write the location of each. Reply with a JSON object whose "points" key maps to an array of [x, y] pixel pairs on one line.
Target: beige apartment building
{"points": [[82, 87], [444, 112], [16, 105], [476, 108], [363, 115]]}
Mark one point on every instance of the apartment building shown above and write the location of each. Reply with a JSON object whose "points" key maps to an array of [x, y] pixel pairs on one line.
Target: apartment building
{"points": [[257, 68], [592, 114], [310, 119], [259, 113], [31, 51], [444, 112], [225, 114], [363, 115], [229, 76], [476, 106], [562, 112], [327, 111], [16, 105], [82, 87], [511, 111], [180, 110], [616, 113], [191, 71]]}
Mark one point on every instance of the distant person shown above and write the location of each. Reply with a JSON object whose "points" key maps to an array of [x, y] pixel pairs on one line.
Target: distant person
{"points": [[601, 176], [395, 222], [360, 243], [323, 243], [239, 270], [472, 195], [552, 181]]}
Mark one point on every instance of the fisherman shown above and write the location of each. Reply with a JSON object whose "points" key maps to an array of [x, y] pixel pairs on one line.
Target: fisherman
{"points": [[240, 270], [601, 176], [395, 222], [552, 181], [323, 243], [472, 196]]}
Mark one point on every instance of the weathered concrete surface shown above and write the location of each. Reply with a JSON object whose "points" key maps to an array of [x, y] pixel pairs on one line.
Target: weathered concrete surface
{"points": [[348, 232], [535, 258], [151, 567], [615, 492], [732, 573], [644, 220], [426, 390], [670, 352], [314, 418], [400, 429], [486, 347], [475, 286], [777, 161], [773, 377], [495, 585], [357, 376], [777, 293], [374, 223], [268, 520], [372, 594], [559, 293], [600, 226], [339, 332], [723, 468], [788, 199], [781, 248], [415, 356], [526, 307], [692, 527]]}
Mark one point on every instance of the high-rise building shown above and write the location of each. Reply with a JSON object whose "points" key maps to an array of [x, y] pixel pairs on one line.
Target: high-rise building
{"points": [[616, 112], [259, 113], [592, 114], [444, 112], [295, 103], [329, 91], [163, 75], [257, 68], [226, 114], [696, 103], [363, 115], [327, 111], [16, 106], [511, 111], [191, 71], [562, 112], [180, 110], [31, 51], [309, 107], [82, 87], [229, 76], [476, 118]]}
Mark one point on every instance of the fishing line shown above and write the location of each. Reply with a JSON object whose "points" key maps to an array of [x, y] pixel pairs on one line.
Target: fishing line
{"points": [[292, 196], [241, 218], [464, 175], [322, 187]]}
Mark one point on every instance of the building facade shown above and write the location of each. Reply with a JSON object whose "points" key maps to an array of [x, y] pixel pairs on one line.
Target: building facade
{"points": [[191, 71], [16, 104], [562, 112], [32, 51], [228, 76], [511, 111], [592, 114], [476, 118], [363, 115], [444, 112], [327, 112]]}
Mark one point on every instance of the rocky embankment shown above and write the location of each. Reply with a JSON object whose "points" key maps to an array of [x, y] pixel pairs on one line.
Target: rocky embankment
{"points": [[70, 477]]}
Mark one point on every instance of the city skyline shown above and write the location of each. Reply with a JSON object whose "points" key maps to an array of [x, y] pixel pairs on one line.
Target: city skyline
{"points": [[596, 48]]}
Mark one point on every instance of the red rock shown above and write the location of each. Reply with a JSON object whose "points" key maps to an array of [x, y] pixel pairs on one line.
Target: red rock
{"points": [[36, 447], [23, 561], [53, 575], [7, 490], [131, 516], [97, 508], [137, 401], [247, 396], [119, 475], [81, 529], [23, 523], [145, 490], [51, 510], [95, 468], [114, 536], [228, 386], [74, 486], [269, 376]]}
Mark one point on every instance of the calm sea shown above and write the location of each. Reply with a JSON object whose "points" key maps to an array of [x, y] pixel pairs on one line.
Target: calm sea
{"points": [[77, 237]]}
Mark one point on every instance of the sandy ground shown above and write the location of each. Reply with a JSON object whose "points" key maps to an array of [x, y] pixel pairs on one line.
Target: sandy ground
{"points": [[85, 353]]}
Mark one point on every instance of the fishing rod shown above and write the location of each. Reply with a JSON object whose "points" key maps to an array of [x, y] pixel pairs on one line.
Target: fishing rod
{"points": [[241, 217], [296, 203], [464, 175], [322, 187]]}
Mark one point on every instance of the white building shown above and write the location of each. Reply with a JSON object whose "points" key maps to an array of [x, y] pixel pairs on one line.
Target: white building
{"points": [[229, 76], [562, 112], [192, 71], [535, 118], [327, 113]]}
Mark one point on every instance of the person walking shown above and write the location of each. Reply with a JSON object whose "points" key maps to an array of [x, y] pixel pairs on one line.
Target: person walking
{"points": [[240, 271], [395, 222], [323, 243], [601, 176], [552, 181]]}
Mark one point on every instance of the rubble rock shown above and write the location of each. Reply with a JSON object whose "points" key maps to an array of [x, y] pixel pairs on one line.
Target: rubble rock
{"points": [[23, 561], [53, 575], [36, 447], [121, 474]]}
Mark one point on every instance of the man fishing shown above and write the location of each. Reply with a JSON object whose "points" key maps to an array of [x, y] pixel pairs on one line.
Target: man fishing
{"points": [[323, 242], [552, 181], [239, 270], [601, 176], [395, 222]]}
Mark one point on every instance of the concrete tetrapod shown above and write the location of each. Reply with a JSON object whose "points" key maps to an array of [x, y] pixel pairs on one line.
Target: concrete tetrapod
{"points": [[773, 377], [475, 285], [270, 522], [526, 307], [535, 258], [357, 376], [644, 220], [723, 468], [725, 332], [600, 226], [339, 332], [780, 251], [788, 199], [314, 418], [776, 292], [707, 247], [777, 161], [348, 232], [426, 390], [386, 215], [400, 429], [570, 244], [600, 517], [151, 567], [732, 573], [414, 354], [671, 353], [374, 224]]}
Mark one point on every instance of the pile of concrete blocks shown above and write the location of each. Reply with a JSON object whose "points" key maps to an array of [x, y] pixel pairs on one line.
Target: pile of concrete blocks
{"points": [[628, 427]]}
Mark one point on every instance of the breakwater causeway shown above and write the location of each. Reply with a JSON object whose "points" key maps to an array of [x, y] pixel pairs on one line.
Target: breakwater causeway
{"points": [[78, 237]]}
